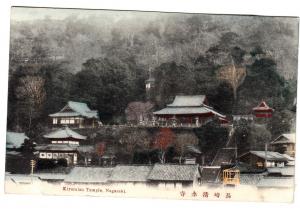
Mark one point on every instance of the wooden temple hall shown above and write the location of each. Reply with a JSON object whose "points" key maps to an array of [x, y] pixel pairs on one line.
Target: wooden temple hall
{"points": [[188, 110], [75, 114], [61, 144]]}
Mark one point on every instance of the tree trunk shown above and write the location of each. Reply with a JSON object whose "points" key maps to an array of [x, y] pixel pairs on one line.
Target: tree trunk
{"points": [[162, 158], [30, 119]]}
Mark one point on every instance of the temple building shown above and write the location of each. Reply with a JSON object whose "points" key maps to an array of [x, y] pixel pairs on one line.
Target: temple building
{"points": [[285, 144], [263, 110], [190, 110], [62, 144], [76, 114], [265, 159]]}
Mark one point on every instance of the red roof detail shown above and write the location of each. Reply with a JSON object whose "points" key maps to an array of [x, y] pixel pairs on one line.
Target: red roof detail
{"points": [[258, 115], [223, 120], [263, 107]]}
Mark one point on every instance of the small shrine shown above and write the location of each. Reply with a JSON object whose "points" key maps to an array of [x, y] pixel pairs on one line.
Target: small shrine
{"points": [[263, 110]]}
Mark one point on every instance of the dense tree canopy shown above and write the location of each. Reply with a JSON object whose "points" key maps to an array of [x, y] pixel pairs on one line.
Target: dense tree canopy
{"points": [[104, 62]]}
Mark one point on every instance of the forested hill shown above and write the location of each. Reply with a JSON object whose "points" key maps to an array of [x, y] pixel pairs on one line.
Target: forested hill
{"points": [[104, 58]]}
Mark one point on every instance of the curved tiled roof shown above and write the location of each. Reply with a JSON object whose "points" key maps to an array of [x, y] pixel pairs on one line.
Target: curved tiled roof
{"points": [[78, 108], [187, 110], [56, 147], [188, 100], [89, 175], [64, 133], [130, 173], [174, 172]]}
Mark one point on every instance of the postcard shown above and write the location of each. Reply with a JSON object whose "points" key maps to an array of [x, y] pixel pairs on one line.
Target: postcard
{"points": [[151, 104]]}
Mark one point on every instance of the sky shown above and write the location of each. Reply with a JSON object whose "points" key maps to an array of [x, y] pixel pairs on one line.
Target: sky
{"points": [[30, 14]]}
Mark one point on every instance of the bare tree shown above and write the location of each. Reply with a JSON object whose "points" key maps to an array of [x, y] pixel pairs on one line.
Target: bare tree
{"points": [[232, 75], [139, 111], [32, 95], [133, 139], [183, 140]]}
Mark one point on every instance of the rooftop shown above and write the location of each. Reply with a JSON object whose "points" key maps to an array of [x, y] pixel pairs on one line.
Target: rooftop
{"points": [[78, 109], [187, 110], [130, 173], [263, 106], [56, 147], [89, 175], [173, 172], [64, 133], [285, 139], [188, 100], [271, 156], [251, 179], [15, 140]]}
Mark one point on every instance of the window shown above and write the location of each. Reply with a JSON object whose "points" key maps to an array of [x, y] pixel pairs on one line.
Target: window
{"points": [[148, 85], [49, 155], [42, 155], [67, 120], [54, 142], [54, 121]]}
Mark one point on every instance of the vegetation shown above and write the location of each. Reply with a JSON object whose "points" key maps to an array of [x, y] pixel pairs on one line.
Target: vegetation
{"points": [[105, 62]]}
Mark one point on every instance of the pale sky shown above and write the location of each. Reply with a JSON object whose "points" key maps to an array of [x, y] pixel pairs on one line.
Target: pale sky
{"points": [[28, 14]]}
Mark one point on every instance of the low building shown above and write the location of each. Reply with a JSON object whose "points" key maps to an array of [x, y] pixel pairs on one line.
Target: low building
{"points": [[62, 144], [174, 175], [88, 175], [65, 136], [285, 144], [191, 110], [130, 174], [259, 159], [76, 114]]}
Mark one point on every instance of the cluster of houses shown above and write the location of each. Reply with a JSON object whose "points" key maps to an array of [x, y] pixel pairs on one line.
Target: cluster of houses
{"points": [[158, 175], [64, 143]]}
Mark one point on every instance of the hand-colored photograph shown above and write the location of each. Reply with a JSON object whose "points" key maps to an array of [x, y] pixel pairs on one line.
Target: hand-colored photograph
{"points": [[151, 104]]}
